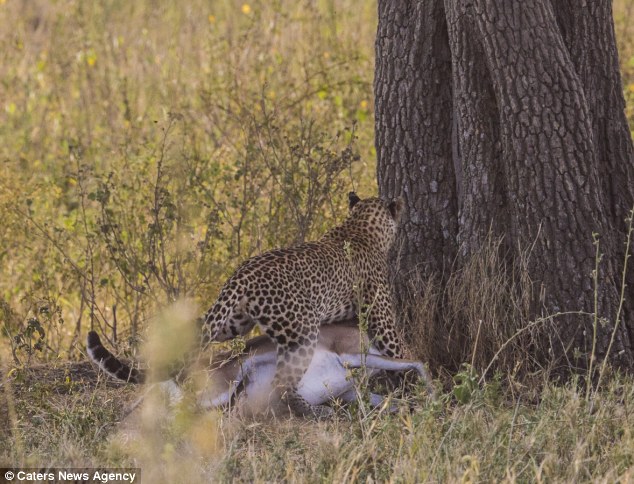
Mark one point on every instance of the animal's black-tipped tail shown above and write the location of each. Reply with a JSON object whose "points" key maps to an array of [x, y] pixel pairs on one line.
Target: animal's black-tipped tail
{"points": [[109, 363]]}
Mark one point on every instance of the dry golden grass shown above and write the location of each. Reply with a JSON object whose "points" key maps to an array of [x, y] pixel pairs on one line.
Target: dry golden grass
{"points": [[147, 147]]}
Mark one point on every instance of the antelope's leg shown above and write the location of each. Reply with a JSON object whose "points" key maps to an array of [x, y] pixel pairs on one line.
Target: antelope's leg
{"points": [[377, 362]]}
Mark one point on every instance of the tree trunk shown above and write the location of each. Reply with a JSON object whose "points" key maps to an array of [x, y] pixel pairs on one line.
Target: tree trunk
{"points": [[504, 121], [412, 68]]}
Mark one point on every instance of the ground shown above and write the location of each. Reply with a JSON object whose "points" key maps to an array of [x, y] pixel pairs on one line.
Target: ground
{"points": [[68, 416]]}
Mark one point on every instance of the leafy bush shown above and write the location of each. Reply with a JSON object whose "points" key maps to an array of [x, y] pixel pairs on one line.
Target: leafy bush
{"points": [[148, 149]]}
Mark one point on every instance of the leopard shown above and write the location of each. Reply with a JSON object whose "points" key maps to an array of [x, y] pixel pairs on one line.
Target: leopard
{"points": [[290, 293]]}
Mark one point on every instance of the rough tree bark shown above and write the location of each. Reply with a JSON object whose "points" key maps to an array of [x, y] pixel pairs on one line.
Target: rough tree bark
{"points": [[507, 119]]}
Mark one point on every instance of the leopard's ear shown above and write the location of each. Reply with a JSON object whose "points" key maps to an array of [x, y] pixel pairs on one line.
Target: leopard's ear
{"points": [[396, 208], [353, 199]]}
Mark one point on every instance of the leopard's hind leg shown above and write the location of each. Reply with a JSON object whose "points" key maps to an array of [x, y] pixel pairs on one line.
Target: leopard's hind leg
{"points": [[295, 348]]}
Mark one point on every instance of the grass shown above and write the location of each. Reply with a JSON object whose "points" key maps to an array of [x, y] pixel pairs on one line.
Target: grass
{"points": [[494, 436], [146, 149]]}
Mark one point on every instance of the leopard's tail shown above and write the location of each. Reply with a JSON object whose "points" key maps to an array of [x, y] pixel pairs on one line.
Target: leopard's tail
{"points": [[110, 363]]}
